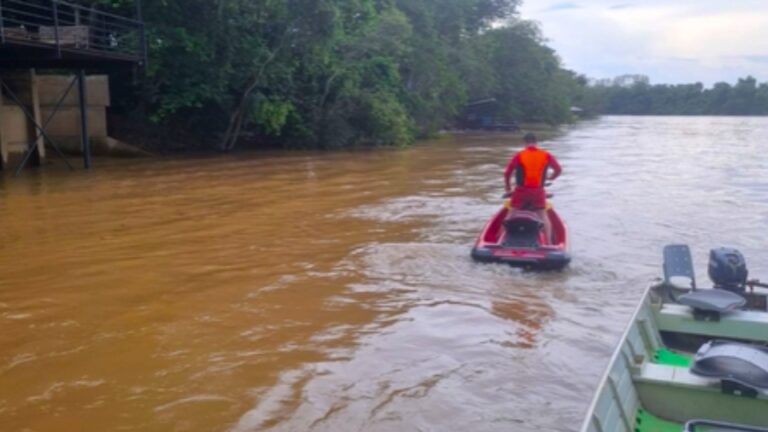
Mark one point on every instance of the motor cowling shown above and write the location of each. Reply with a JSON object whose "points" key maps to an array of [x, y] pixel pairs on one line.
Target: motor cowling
{"points": [[728, 269]]}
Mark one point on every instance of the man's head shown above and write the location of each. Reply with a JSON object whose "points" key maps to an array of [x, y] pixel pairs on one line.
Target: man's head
{"points": [[530, 139]]}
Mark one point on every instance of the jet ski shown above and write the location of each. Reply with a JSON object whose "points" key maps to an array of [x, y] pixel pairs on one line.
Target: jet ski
{"points": [[519, 240]]}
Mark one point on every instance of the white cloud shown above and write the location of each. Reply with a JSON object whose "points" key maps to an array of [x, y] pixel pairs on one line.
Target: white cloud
{"points": [[713, 36], [681, 41]]}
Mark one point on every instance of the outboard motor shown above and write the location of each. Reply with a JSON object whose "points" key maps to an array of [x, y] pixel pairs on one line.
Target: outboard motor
{"points": [[728, 269]]}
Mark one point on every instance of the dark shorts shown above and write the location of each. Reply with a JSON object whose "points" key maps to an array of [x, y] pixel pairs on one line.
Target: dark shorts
{"points": [[529, 198]]}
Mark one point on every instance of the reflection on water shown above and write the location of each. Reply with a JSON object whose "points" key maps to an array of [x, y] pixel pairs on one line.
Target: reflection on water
{"points": [[334, 292]]}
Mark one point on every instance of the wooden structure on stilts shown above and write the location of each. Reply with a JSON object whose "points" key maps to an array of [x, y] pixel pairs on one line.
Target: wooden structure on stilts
{"points": [[57, 35]]}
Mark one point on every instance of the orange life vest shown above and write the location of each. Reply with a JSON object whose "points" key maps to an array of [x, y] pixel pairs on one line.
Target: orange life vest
{"points": [[533, 163]]}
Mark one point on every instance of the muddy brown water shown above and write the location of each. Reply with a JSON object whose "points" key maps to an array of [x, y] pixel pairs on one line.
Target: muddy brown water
{"points": [[334, 292]]}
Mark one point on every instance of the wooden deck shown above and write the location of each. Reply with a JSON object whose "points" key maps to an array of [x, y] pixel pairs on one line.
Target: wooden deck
{"points": [[59, 34]]}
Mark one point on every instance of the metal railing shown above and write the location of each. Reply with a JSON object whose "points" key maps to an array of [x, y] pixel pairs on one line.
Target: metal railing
{"points": [[68, 27]]}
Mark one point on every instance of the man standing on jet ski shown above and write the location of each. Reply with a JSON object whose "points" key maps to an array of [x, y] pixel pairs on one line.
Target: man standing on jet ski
{"points": [[530, 166]]}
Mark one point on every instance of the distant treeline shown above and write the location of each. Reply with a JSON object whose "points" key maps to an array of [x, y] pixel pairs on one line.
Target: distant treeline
{"points": [[336, 73], [746, 97]]}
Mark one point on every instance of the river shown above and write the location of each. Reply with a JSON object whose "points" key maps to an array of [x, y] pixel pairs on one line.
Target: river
{"points": [[334, 291]]}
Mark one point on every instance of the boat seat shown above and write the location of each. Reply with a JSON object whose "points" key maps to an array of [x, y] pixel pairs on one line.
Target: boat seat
{"points": [[712, 300], [739, 363], [716, 426], [523, 217], [678, 264]]}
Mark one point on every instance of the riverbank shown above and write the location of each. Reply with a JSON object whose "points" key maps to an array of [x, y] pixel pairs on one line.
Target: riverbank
{"points": [[157, 140], [163, 140]]}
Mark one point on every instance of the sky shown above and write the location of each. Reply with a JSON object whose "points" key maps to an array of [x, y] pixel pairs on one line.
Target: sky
{"points": [[671, 41]]}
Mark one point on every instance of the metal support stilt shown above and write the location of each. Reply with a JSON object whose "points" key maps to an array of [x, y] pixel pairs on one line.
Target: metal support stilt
{"points": [[84, 138], [3, 150], [39, 143]]}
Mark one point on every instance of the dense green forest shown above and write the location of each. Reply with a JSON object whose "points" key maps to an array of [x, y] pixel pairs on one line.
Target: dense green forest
{"points": [[746, 97], [336, 73]]}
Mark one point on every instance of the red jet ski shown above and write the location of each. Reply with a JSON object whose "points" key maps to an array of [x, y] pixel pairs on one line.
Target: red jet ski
{"points": [[520, 241]]}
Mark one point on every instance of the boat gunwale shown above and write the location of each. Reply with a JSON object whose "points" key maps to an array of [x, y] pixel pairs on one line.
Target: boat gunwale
{"points": [[644, 302]]}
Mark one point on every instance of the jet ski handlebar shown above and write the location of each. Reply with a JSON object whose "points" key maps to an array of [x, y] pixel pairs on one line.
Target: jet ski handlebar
{"points": [[549, 195]]}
